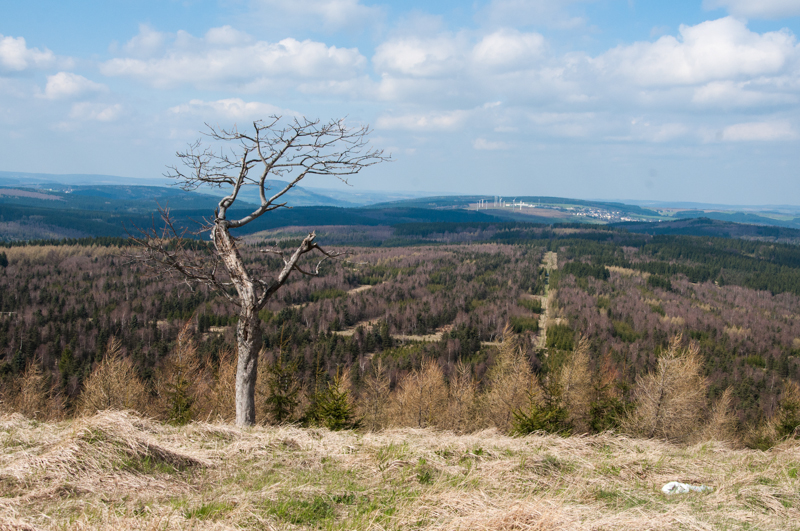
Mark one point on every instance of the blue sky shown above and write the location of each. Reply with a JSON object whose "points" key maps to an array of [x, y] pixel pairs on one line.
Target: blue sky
{"points": [[675, 101]]}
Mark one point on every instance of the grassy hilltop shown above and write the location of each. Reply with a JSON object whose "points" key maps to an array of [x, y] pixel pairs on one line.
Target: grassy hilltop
{"points": [[116, 470], [445, 359]]}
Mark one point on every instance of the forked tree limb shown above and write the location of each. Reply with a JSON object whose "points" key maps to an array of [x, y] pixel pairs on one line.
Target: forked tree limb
{"points": [[282, 150]]}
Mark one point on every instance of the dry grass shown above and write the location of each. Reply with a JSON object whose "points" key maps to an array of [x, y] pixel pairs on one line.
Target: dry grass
{"points": [[115, 470]]}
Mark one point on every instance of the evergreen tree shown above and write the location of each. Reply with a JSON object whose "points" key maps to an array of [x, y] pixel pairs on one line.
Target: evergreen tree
{"points": [[547, 415], [283, 388], [66, 365], [336, 410], [787, 418]]}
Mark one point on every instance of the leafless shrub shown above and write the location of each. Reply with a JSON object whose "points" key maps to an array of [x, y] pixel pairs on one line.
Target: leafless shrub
{"points": [[784, 423], [114, 384], [374, 399], [180, 381], [461, 415], [510, 384], [32, 395], [670, 401], [218, 402], [722, 423], [575, 384], [420, 399]]}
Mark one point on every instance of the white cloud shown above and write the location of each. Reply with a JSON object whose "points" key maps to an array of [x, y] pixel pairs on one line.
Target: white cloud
{"points": [[770, 9], [437, 121], [508, 48], [418, 57], [16, 56], [482, 144], [226, 36], [553, 13], [67, 84], [223, 57], [332, 14], [759, 131], [650, 132], [717, 64], [713, 50], [98, 112], [727, 94], [463, 69], [231, 109], [147, 43], [565, 124], [392, 88]]}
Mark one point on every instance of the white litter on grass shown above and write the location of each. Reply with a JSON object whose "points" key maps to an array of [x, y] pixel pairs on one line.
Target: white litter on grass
{"points": [[676, 487]]}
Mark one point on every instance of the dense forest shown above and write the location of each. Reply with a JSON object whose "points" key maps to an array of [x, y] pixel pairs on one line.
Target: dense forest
{"points": [[619, 298]]}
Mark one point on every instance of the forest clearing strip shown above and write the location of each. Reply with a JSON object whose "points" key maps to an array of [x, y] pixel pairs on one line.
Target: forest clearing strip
{"points": [[627, 271], [549, 262], [359, 289], [352, 291]]}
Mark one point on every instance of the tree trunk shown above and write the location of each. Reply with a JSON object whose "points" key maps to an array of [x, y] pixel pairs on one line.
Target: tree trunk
{"points": [[248, 330], [248, 339]]}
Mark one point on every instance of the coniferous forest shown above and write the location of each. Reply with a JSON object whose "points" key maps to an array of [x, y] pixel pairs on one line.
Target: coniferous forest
{"points": [[456, 326]]}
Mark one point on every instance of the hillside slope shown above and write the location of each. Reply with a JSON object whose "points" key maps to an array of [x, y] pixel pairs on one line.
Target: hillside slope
{"points": [[119, 471]]}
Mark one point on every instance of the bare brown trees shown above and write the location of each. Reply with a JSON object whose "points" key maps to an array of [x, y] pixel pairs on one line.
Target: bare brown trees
{"points": [[273, 149], [670, 401]]}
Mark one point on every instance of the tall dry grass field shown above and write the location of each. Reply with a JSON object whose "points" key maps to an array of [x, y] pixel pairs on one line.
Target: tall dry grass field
{"points": [[116, 470]]}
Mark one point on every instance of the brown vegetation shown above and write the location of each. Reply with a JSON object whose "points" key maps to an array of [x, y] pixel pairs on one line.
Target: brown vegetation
{"points": [[116, 470], [669, 402], [114, 384]]}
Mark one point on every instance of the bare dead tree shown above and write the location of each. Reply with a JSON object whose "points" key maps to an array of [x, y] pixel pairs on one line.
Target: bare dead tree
{"points": [[273, 149]]}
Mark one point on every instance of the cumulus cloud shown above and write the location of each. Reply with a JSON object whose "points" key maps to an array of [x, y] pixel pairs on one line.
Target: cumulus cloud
{"points": [[437, 121], [227, 36], [653, 132], [67, 85], [447, 55], [420, 57], [463, 69], [553, 13], [330, 15], [508, 48], [16, 56], [770, 9], [728, 94], [98, 112], [758, 131], [566, 124], [232, 109], [482, 144], [225, 57], [147, 43], [715, 65], [712, 50]]}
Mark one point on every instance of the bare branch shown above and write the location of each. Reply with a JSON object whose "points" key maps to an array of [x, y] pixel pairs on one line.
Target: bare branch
{"points": [[168, 253], [288, 151], [272, 150]]}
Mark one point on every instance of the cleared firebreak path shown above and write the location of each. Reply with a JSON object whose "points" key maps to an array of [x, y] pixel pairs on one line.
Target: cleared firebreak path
{"points": [[550, 263]]}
